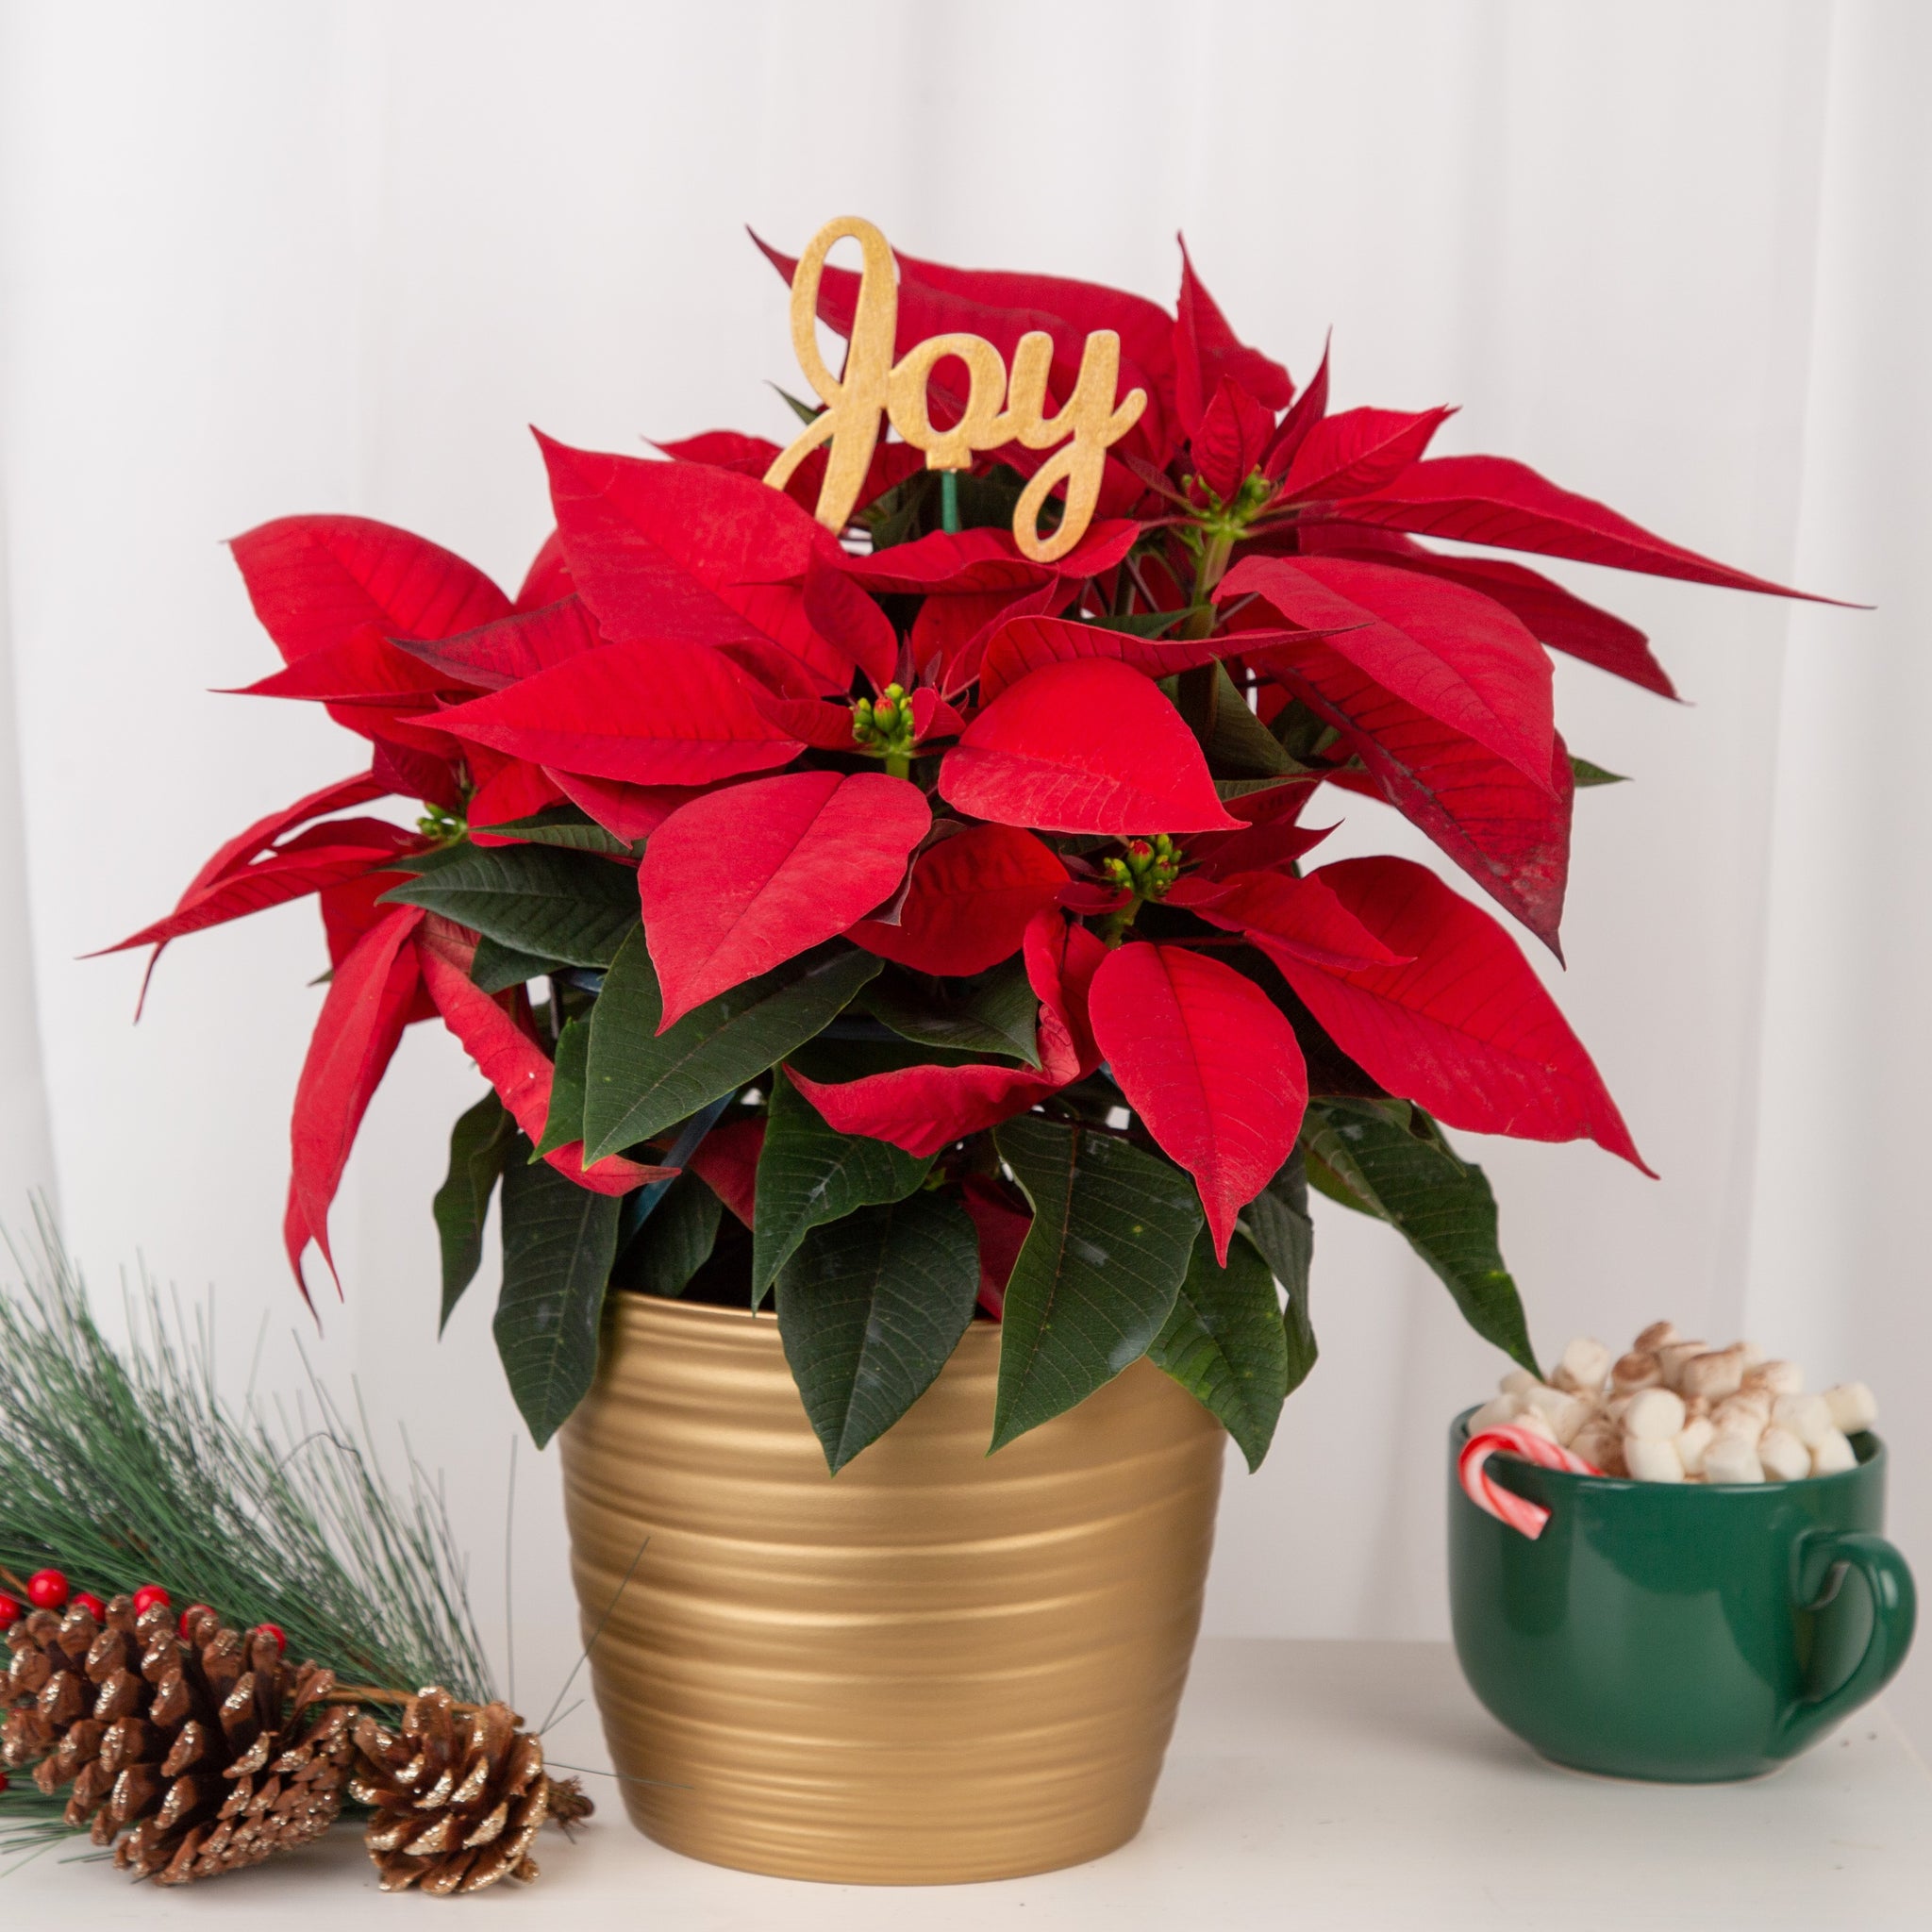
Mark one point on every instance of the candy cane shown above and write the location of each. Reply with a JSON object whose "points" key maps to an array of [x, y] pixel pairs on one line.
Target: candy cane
{"points": [[1519, 1512]]}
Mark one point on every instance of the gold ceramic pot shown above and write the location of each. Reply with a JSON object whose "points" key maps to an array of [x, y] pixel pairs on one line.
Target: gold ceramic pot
{"points": [[936, 1666]]}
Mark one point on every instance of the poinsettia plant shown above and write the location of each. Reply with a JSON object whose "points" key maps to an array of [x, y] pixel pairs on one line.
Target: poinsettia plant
{"points": [[923, 932]]}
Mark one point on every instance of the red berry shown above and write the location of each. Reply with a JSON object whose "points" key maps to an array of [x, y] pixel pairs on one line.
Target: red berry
{"points": [[2, 1784], [192, 1611], [11, 1610], [273, 1630], [150, 1594], [46, 1590]]}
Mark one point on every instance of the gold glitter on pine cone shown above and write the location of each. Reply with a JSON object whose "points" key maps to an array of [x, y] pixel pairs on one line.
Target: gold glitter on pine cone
{"points": [[460, 1795], [209, 1753]]}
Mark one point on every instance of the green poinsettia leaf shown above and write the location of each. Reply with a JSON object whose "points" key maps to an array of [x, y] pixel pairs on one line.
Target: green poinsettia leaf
{"points": [[1225, 788], [810, 1173], [1153, 623], [1238, 744], [1390, 1160], [997, 1013], [1098, 1273], [565, 1123], [1584, 773], [675, 1243], [497, 967], [558, 1242], [1225, 1345], [478, 1145], [568, 906], [1276, 1220], [639, 1082], [870, 1307], [566, 827]]}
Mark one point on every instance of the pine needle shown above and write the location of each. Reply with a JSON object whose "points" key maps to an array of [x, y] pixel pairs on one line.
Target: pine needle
{"points": [[126, 1467]]}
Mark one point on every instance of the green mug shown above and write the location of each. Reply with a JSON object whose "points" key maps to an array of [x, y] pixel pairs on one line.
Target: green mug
{"points": [[1684, 1632]]}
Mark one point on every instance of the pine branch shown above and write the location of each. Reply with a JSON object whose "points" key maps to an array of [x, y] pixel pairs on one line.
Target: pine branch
{"points": [[126, 1467]]}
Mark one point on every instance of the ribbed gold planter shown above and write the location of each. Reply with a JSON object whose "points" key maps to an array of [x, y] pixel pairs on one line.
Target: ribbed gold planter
{"points": [[938, 1666]]}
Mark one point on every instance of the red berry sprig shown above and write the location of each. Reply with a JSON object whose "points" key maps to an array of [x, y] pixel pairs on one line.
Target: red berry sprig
{"points": [[2, 1784], [274, 1632], [148, 1595], [86, 1600], [46, 1590], [188, 1615], [11, 1610]]}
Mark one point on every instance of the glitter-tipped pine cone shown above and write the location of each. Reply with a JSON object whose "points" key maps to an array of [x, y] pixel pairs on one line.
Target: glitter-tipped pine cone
{"points": [[459, 1793], [191, 1752]]}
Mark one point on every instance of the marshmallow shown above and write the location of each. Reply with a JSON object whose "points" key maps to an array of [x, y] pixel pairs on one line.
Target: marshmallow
{"points": [[1852, 1406], [1806, 1417], [1582, 1367], [1655, 1337], [1498, 1412], [1672, 1357], [1776, 1378], [1732, 1458], [1537, 1423], [1518, 1382], [1635, 1370], [1748, 1409], [1697, 1406], [1833, 1456], [1784, 1456], [1753, 1355], [1601, 1443], [1713, 1375], [1564, 1413], [1693, 1439], [1652, 1460], [1654, 1416]]}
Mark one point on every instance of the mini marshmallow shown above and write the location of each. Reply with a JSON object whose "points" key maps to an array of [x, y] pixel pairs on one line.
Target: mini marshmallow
{"points": [[1753, 1355], [1732, 1458], [1602, 1444], [1693, 1439], [1537, 1423], [1784, 1456], [1518, 1382], [1672, 1357], [1654, 1416], [1652, 1460], [1776, 1378], [1833, 1456], [1635, 1370], [1498, 1412], [1564, 1413], [1748, 1409], [1655, 1337], [1582, 1367], [1853, 1407], [1715, 1374], [1806, 1417], [1697, 1406]]}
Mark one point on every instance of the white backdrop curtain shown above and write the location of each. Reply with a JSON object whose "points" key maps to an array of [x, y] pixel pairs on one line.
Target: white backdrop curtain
{"points": [[256, 259]]}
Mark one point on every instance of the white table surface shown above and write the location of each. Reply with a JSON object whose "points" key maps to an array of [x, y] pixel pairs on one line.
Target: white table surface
{"points": [[1327, 1785]]}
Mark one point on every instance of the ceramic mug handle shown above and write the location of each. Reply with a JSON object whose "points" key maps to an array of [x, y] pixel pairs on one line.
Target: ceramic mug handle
{"points": [[1894, 1613]]}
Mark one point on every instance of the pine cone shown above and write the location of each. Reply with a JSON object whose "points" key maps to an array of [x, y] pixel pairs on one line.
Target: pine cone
{"points": [[460, 1795], [213, 1750]]}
